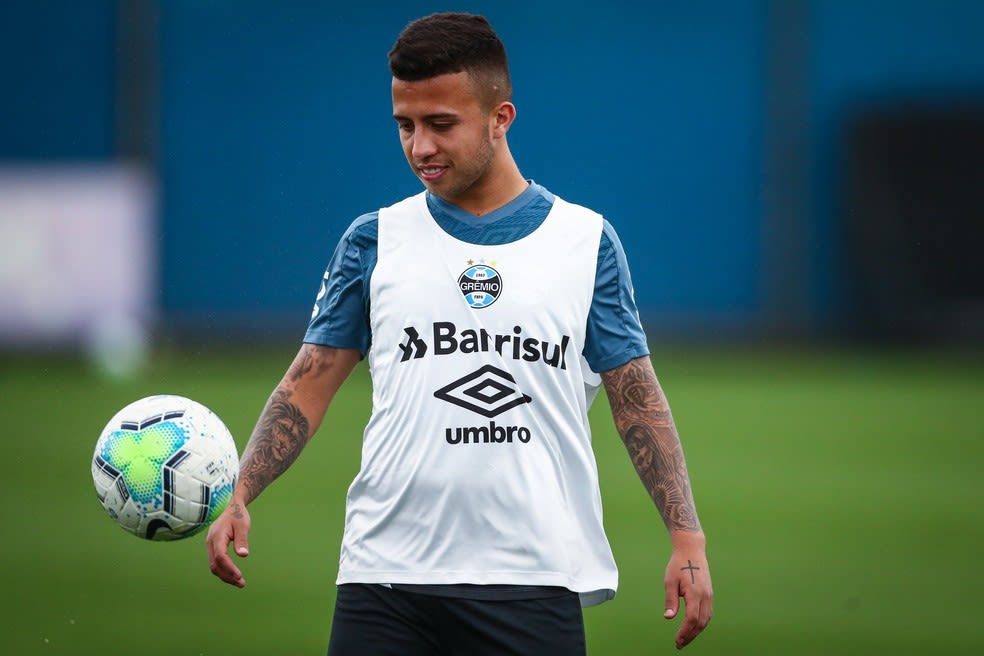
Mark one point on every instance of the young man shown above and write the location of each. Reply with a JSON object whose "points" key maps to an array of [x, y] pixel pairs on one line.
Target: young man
{"points": [[485, 305]]}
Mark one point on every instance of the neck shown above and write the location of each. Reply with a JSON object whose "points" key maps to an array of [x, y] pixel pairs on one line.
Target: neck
{"points": [[496, 198], [503, 183]]}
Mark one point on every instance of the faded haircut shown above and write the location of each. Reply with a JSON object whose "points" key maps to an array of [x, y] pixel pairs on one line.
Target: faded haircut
{"points": [[453, 42]]}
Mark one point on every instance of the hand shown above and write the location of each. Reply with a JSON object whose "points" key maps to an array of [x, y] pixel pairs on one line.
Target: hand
{"points": [[688, 576], [232, 526]]}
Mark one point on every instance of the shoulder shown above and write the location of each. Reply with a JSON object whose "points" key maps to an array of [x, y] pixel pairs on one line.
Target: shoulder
{"points": [[572, 207], [582, 221], [408, 204], [611, 245], [364, 228], [361, 236]]}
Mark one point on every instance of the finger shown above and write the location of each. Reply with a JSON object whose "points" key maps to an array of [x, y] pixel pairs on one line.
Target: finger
{"points": [[224, 568], [698, 616], [706, 611], [691, 624], [220, 563]]}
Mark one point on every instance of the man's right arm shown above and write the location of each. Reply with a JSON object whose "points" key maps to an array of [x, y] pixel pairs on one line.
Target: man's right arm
{"points": [[291, 416]]}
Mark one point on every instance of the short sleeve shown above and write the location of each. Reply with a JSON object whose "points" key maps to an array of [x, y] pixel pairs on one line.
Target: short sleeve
{"points": [[341, 310], [614, 333]]}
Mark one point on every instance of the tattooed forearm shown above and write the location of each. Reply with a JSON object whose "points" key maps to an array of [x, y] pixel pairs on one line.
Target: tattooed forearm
{"points": [[277, 441], [643, 419], [292, 415]]}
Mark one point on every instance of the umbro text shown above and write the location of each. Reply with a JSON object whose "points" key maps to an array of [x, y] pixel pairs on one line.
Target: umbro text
{"points": [[491, 434]]}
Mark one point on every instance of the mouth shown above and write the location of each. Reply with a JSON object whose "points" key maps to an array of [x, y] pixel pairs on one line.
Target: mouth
{"points": [[430, 173]]}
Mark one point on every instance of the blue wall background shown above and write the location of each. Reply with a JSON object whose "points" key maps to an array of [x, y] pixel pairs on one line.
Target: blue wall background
{"points": [[709, 132]]}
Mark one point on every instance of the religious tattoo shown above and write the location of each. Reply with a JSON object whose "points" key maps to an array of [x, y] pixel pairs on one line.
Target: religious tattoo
{"points": [[691, 567], [280, 435], [643, 420]]}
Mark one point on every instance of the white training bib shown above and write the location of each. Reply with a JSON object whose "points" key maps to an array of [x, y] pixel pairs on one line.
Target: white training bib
{"points": [[477, 464]]}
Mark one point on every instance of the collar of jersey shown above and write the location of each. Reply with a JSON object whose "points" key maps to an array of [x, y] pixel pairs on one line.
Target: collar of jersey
{"points": [[532, 206]]}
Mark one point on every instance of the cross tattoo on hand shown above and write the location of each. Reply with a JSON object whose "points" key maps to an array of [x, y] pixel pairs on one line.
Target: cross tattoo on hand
{"points": [[691, 567]]}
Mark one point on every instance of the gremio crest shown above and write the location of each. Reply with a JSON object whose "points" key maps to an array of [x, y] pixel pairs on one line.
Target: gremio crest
{"points": [[481, 285]]}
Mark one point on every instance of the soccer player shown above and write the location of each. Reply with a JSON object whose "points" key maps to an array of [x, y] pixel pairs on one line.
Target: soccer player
{"points": [[490, 311]]}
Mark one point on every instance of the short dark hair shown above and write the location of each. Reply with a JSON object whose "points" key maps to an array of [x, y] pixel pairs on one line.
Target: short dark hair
{"points": [[452, 42]]}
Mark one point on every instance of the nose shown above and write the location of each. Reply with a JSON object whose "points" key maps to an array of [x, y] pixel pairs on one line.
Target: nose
{"points": [[423, 145]]}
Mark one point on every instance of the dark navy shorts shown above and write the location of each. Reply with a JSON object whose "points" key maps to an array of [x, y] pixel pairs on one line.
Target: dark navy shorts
{"points": [[373, 620]]}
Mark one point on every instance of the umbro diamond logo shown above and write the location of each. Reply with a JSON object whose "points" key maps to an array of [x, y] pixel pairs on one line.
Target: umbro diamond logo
{"points": [[488, 391]]}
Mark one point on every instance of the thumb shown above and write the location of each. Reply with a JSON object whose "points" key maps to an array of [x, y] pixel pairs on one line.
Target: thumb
{"points": [[239, 528], [672, 603], [241, 543]]}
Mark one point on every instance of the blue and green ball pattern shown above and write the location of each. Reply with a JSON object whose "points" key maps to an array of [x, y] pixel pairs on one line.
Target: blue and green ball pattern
{"points": [[139, 456]]}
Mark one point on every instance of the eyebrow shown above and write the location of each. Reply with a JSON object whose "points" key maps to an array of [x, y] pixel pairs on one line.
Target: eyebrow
{"points": [[428, 117]]}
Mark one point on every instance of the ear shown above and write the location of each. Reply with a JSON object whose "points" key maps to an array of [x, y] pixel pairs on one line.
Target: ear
{"points": [[502, 117]]}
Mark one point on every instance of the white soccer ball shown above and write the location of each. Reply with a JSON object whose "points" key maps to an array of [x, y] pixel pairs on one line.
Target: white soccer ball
{"points": [[165, 467]]}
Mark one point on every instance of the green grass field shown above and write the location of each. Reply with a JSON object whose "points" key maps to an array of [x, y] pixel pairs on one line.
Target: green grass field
{"points": [[841, 493]]}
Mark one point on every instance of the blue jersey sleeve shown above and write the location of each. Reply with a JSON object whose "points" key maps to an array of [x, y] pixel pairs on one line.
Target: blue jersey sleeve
{"points": [[614, 332], [341, 310]]}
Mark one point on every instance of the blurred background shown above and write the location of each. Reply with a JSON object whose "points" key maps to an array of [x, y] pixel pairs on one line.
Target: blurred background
{"points": [[795, 169], [799, 188]]}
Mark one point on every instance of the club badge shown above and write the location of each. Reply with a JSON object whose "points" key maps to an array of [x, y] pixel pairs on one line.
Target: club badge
{"points": [[481, 285]]}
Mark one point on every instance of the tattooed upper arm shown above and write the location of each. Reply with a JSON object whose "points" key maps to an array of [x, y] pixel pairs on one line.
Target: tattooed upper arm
{"points": [[311, 360], [644, 421]]}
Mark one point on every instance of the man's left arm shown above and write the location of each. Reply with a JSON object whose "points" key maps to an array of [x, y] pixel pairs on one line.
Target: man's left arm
{"points": [[645, 423]]}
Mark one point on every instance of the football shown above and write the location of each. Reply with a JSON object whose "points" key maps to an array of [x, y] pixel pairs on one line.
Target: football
{"points": [[164, 467]]}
